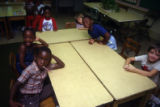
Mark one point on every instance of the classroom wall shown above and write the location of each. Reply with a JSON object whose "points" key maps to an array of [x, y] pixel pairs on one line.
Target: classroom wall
{"points": [[150, 4], [154, 31]]}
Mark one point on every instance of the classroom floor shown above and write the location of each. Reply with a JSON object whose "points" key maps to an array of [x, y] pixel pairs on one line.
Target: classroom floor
{"points": [[7, 46]]}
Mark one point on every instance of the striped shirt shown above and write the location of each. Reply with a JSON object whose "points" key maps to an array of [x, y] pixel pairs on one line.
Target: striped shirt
{"points": [[32, 79]]}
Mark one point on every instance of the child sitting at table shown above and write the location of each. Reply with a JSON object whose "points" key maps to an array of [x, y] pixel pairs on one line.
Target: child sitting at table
{"points": [[79, 21], [38, 14], [47, 23], [96, 31], [150, 64], [25, 53], [29, 7], [31, 82]]}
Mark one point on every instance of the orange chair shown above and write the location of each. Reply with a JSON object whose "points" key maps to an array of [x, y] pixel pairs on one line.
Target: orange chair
{"points": [[128, 46]]}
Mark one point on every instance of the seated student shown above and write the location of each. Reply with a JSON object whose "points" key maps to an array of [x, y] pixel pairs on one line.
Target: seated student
{"points": [[29, 7], [150, 64], [96, 31], [79, 21], [31, 82], [39, 13], [47, 23], [25, 52]]}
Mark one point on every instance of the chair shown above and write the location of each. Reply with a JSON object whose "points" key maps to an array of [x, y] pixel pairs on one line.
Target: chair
{"points": [[70, 25], [128, 46], [12, 63], [47, 102]]}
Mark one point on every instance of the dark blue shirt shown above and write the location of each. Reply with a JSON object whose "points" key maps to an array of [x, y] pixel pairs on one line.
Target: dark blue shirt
{"points": [[97, 31]]}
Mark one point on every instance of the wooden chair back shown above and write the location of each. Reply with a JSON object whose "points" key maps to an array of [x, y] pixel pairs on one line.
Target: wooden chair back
{"points": [[128, 46], [70, 25], [12, 64]]}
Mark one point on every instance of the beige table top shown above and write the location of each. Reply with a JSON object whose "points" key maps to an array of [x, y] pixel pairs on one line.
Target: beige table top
{"points": [[64, 35], [121, 16], [107, 65], [75, 85], [12, 10]]}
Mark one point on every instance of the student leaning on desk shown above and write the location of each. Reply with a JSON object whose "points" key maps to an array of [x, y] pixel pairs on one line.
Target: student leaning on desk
{"points": [[96, 31], [150, 64]]}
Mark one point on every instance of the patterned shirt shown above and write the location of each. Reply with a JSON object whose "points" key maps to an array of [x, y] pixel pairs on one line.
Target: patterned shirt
{"points": [[32, 79]]}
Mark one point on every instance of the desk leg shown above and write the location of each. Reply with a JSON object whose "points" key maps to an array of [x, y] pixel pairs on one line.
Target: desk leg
{"points": [[144, 99], [6, 28], [108, 105], [115, 104]]}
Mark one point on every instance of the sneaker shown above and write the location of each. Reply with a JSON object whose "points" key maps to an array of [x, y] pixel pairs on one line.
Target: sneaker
{"points": [[155, 99]]}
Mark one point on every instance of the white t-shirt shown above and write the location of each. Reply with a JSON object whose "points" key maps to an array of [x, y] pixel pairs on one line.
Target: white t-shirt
{"points": [[147, 66], [47, 25]]}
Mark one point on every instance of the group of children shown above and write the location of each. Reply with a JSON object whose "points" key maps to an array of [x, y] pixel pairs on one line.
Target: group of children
{"points": [[38, 16], [34, 60]]}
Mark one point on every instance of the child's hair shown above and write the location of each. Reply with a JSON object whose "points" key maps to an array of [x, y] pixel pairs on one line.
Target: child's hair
{"points": [[47, 8], [30, 29], [89, 17], [80, 15], [154, 46], [41, 49]]}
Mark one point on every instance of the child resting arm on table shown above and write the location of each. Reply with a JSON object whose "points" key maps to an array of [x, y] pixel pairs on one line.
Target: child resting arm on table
{"points": [[30, 86], [150, 64]]}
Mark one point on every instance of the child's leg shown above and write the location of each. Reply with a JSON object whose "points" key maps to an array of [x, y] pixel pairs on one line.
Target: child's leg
{"points": [[48, 92], [31, 100]]}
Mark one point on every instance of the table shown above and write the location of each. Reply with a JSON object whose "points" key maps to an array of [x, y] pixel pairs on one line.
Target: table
{"points": [[121, 16], [64, 35], [107, 66], [11, 12], [75, 85]]}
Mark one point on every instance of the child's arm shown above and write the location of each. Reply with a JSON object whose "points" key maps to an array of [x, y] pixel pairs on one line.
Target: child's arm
{"points": [[58, 64], [83, 28], [106, 38], [131, 68], [142, 72], [55, 28], [41, 41], [22, 51], [40, 25], [12, 94], [91, 41]]}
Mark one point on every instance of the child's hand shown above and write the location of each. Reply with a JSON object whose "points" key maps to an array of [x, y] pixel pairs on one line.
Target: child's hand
{"points": [[125, 66], [129, 68], [91, 41], [37, 39], [100, 42]]}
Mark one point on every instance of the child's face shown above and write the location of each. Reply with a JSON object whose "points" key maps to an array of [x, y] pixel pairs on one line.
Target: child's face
{"points": [[79, 20], [42, 60], [153, 55], [87, 22], [28, 38], [47, 13]]}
